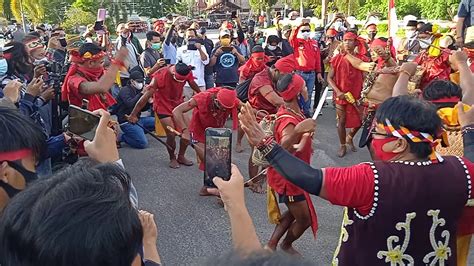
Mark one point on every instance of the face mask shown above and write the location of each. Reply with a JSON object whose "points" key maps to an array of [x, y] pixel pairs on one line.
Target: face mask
{"points": [[409, 34], [305, 35], [225, 41], [301, 102], [156, 46], [11, 191], [181, 34], [260, 41], [125, 35], [318, 36], [3, 67], [27, 175], [63, 42], [377, 145], [337, 25], [271, 47], [372, 35], [138, 85], [425, 43]]}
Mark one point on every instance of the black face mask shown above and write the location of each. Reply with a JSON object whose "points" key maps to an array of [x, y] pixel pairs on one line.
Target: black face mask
{"points": [[11, 191], [63, 42], [372, 35], [28, 175]]}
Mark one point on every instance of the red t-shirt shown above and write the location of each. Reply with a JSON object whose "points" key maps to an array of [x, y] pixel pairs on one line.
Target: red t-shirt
{"points": [[256, 99], [354, 187], [347, 77], [275, 180], [96, 101], [306, 52], [168, 92], [205, 114]]}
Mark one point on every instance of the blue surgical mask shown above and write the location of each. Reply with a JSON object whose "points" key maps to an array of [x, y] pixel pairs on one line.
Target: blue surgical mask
{"points": [[3, 67], [301, 101]]}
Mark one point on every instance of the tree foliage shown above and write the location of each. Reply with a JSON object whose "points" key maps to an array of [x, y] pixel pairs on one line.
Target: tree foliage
{"points": [[76, 17], [261, 5]]}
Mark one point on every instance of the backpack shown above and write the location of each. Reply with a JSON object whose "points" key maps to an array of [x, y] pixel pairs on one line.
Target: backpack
{"points": [[242, 90], [268, 126]]}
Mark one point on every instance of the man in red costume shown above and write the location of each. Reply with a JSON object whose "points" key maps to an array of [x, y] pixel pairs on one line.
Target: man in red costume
{"points": [[308, 58], [346, 81], [262, 94], [254, 65], [433, 61], [211, 108], [87, 79], [291, 129], [167, 90]]}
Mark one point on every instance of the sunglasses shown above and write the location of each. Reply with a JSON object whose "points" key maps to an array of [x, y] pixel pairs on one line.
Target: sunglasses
{"points": [[374, 132], [305, 30]]}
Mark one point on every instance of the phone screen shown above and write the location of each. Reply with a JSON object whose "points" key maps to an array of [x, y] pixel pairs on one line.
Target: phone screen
{"points": [[217, 155], [82, 122], [168, 61], [192, 45], [226, 49]]}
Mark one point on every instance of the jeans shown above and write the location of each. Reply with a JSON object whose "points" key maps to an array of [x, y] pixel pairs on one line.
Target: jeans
{"points": [[310, 79], [134, 135], [209, 81]]}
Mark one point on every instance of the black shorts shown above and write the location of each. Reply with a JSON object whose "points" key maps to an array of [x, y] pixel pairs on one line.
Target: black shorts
{"points": [[290, 199], [160, 116]]}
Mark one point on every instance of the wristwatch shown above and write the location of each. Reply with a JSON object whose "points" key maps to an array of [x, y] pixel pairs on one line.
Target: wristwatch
{"points": [[266, 145]]}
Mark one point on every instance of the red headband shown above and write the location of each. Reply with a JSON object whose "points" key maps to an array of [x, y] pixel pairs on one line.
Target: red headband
{"points": [[77, 58], [294, 88], [350, 36], [14, 155], [378, 42], [452, 99], [258, 54], [286, 64]]}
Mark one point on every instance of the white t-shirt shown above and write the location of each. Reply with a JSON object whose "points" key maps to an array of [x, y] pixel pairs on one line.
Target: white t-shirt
{"points": [[193, 58]]}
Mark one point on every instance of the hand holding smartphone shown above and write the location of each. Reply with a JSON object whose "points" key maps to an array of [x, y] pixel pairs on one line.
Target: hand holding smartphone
{"points": [[217, 155], [82, 122]]}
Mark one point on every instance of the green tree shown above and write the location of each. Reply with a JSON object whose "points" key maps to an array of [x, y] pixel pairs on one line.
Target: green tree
{"points": [[261, 5], [76, 17]]}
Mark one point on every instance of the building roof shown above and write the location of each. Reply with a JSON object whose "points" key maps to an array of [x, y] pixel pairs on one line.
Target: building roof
{"points": [[222, 6]]}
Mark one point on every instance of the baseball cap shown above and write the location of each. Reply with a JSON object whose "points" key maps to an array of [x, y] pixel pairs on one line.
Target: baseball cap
{"points": [[224, 32]]}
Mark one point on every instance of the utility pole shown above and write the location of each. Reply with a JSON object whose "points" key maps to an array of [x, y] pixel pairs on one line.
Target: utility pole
{"points": [[23, 16]]}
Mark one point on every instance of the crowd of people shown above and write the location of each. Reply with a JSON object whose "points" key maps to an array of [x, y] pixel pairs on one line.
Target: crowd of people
{"points": [[412, 104]]}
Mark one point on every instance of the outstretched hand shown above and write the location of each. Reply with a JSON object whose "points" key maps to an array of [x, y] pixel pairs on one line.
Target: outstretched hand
{"points": [[253, 130]]}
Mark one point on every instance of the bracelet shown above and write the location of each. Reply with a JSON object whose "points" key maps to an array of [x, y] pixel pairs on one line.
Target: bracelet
{"points": [[266, 145], [119, 63]]}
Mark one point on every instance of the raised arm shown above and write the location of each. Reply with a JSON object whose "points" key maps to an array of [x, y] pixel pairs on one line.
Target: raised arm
{"points": [[108, 79], [401, 86], [459, 60], [359, 64]]}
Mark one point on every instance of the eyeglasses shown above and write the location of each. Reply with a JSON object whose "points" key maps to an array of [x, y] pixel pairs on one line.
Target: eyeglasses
{"points": [[305, 30]]}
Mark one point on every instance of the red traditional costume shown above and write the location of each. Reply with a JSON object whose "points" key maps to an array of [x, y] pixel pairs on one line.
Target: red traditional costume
{"points": [[206, 114], [435, 67], [285, 118], [258, 101], [76, 75], [168, 90], [252, 66], [348, 79]]}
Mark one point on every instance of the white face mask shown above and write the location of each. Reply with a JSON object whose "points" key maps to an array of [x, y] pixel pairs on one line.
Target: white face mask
{"points": [[125, 35], [425, 43], [306, 35], [271, 47], [138, 85], [409, 34]]}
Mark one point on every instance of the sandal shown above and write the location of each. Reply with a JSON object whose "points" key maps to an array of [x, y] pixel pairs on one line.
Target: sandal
{"points": [[342, 151]]}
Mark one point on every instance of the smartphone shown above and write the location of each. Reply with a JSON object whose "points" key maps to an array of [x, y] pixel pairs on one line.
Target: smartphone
{"points": [[99, 26], [234, 14], [168, 61], [226, 49], [101, 14], [82, 122], [217, 155], [192, 44]]}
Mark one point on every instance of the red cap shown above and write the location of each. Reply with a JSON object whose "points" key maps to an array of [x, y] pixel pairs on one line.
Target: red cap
{"points": [[228, 99], [294, 88], [331, 32], [286, 64]]}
